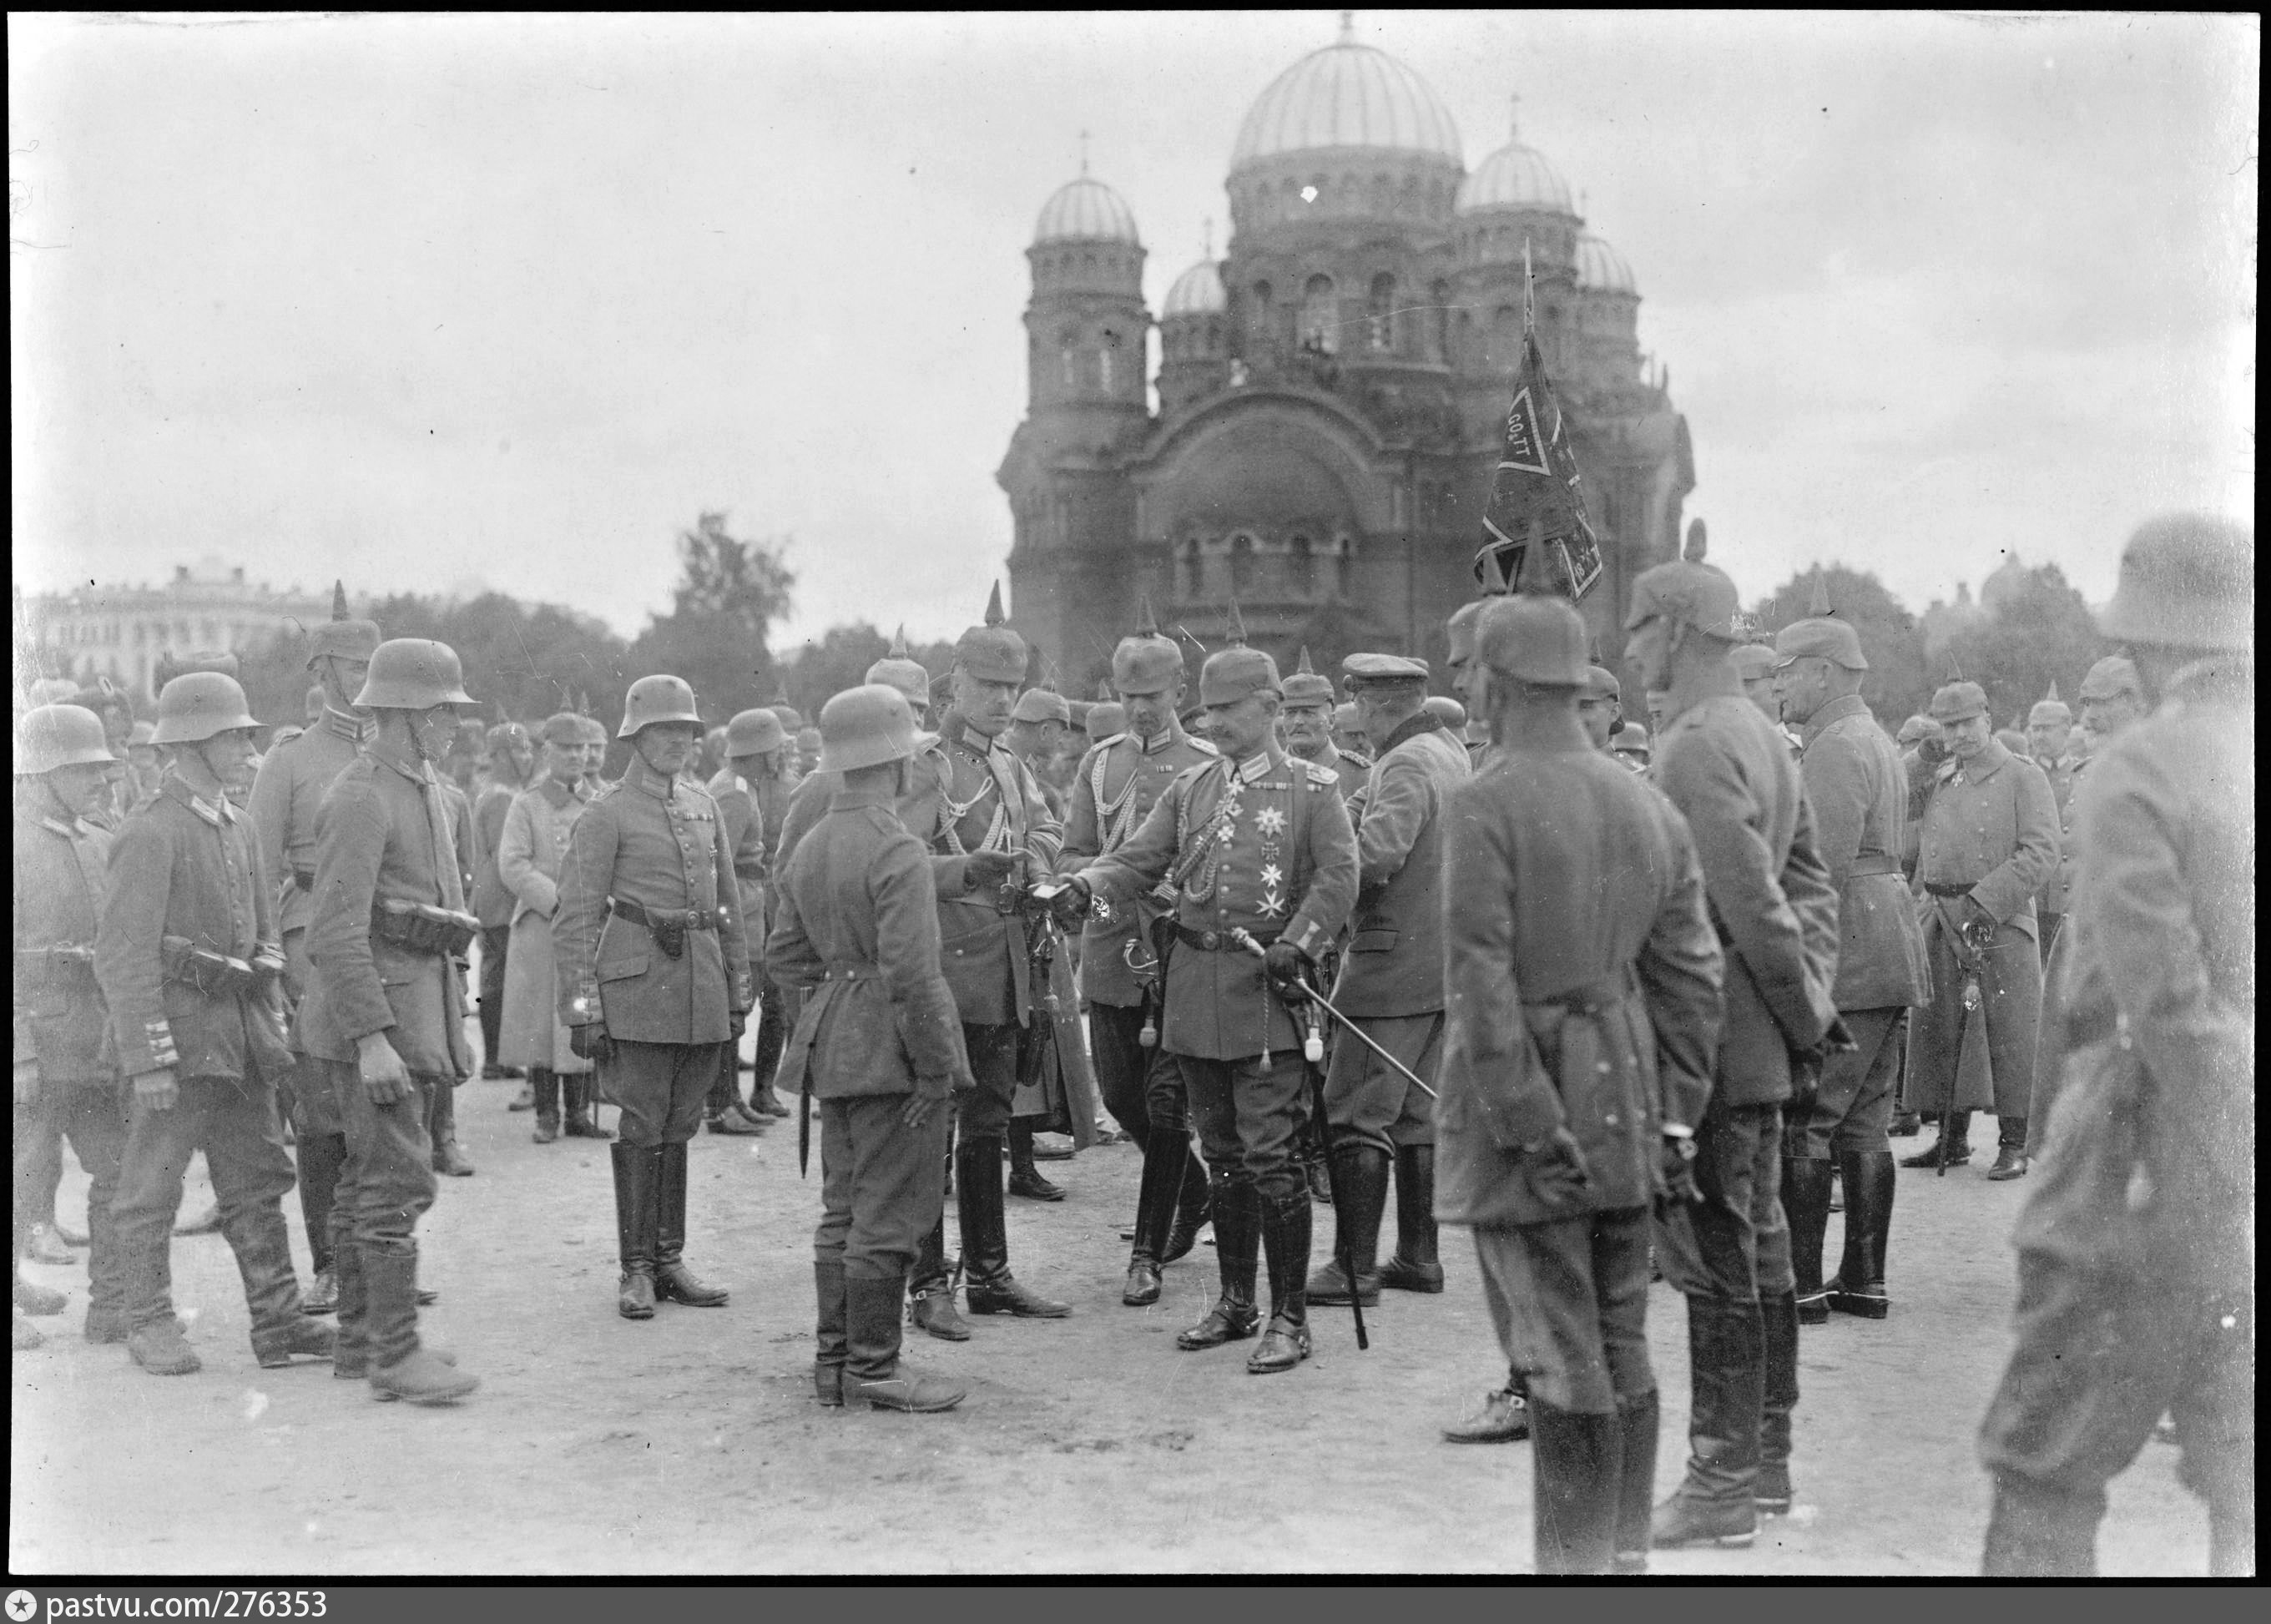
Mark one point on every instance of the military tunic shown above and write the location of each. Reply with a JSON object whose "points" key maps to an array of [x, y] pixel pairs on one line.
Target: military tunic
{"points": [[2050, 902], [493, 906], [1353, 768], [531, 852]]}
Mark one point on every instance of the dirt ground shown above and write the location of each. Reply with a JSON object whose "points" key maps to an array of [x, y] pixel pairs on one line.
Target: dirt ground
{"points": [[691, 1444]]}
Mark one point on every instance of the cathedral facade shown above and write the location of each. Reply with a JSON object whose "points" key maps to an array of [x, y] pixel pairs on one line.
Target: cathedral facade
{"points": [[1330, 393]]}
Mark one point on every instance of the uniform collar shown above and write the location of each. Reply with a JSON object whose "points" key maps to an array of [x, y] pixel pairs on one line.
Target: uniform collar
{"points": [[1260, 765], [638, 775], [1165, 739], [559, 795], [954, 728], [409, 765], [214, 812], [866, 795], [353, 728], [1984, 765], [1836, 711], [1411, 727]]}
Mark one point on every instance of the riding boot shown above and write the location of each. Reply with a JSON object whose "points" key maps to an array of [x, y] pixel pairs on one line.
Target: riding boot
{"points": [[873, 1372], [1577, 1461], [442, 1123], [1806, 1203], [580, 1116], [1361, 1171], [991, 1288], [1778, 1329], [1237, 1245], [674, 1281], [931, 1291], [1859, 1287], [1285, 1246], [351, 1342], [1637, 1423], [544, 1083], [263, 1246], [400, 1368], [831, 1347], [320, 1158], [2035, 1532], [637, 1173], [1712, 1504], [1194, 1206], [1165, 1158], [1026, 1180], [1414, 1266], [1955, 1130]]}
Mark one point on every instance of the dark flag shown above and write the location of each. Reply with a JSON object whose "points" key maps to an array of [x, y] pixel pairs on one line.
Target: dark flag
{"points": [[1536, 492]]}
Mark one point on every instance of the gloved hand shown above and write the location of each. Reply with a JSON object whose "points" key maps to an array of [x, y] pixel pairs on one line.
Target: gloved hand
{"points": [[929, 1094], [590, 1042], [1679, 1168], [1560, 1167], [983, 870], [1977, 924], [1283, 963], [1071, 904]]}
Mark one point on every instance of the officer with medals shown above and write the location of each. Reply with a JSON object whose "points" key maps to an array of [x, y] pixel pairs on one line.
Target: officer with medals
{"points": [[990, 835], [655, 987], [1119, 782], [1305, 728], [1253, 847]]}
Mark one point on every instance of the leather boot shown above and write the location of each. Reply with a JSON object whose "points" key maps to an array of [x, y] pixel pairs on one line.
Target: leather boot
{"points": [[1362, 1170], [831, 1347], [1026, 1180], [638, 1172], [2011, 1158], [580, 1119], [930, 1299], [2039, 1533], [674, 1281], [544, 1084], [39, 1299], [280, 1330], [1779, 1399], [991, 1287], [1959, 1148], [442, 1123], [1859, 1287], [1194, 1209], [350, 1346], [160, 1348], [1577, 1461], [399, 1367], [872, 1372], [1414, 1266], [1157, 1197], [1713, 1503], [319, 1159], [1237, 1244], [1805, 1203], [1285, 1246], [1637, 1421]]}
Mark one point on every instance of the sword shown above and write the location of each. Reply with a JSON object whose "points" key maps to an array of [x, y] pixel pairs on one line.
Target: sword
{"points": [[1246, 939]]}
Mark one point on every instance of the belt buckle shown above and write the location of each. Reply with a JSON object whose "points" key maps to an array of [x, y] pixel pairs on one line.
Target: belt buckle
{"points": [[1210, 940]]}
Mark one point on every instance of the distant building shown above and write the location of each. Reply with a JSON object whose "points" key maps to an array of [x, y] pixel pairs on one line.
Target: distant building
{"points": [[1331, 395], [121, 632]]}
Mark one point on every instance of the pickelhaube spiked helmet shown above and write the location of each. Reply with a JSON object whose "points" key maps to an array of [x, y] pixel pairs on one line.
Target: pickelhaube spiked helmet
{"points": [[1686, 590], [343, 635], [1304, 687], [1144, 662], [993, 653], [901, 670]]}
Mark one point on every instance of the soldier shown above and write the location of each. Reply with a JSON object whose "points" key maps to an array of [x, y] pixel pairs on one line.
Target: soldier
{"points": [[1451, 714], [595, 755], [66, 1074], [509, 763], [187, 958], [1252, 846], [1118, 784], [990, 835], [1307, 729], [1986, 839], [1630, 746], [384, 1017], [767, 769], [1348, 732], [1583, 987], [531, 849], [286, 794], [748, 740], [2136, 1248], [878, 1043], [1391, 981], [1039, 725], [2050, 738], [654, 980], [1107, 719], [1853, 781], [1728, 770]]}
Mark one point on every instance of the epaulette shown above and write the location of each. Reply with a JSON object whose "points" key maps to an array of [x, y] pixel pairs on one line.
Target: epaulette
{"points": [[1358, 757], [603, 792], [58, 826], [1322, 778], [1204, 746], [1106, 744]]}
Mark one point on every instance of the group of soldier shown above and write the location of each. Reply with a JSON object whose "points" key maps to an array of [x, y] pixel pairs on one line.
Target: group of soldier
{"points": [[1624, 1001]]}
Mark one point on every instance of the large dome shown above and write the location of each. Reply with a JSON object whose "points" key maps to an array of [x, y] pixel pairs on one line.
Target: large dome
{"points": [[1601, 269], [1515, 177], [1197, 292], [1086, 211], [1346, 95]]}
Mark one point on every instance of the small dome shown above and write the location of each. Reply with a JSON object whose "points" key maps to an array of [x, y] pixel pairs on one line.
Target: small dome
{"points": [[1346, 95], [1515, 177], [1197, 292], [1086, 211], [1601, 269]]}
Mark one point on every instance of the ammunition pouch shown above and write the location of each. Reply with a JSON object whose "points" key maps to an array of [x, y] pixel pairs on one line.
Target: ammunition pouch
{"points": [[668, 926], [216, 975], [422, 927]]}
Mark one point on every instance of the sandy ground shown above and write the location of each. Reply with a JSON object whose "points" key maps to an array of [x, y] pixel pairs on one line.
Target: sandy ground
{"points": [[691, 1444]]}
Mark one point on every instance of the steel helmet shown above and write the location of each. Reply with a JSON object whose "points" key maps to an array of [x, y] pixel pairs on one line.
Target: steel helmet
{"points": [[2187, 581], [59, 735], [865, 727], [198, 704], [1446, 711], [53, 691], [413, 673], [654, 699], [1686, 589], [1534, 638], [1630, 740], [756, 732]]}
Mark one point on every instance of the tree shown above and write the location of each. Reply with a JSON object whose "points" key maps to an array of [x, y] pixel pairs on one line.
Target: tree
{"points": [[729, 596], [839, 660], [1896, 685], [2037, 630], [522, 661]]}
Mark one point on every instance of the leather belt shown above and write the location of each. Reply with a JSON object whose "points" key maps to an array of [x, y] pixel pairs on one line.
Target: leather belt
{"points": [[664, 918], [1946, 891], [1582, 999], [1216, 940], [852, 970], [1872, 862]]}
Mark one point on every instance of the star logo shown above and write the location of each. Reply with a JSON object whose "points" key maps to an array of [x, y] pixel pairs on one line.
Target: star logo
{"points": [[1272, 876], [1271, 821], [22, 1604]]}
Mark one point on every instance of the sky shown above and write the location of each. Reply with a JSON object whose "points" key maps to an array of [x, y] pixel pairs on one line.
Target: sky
{"points": [[441, 303]]}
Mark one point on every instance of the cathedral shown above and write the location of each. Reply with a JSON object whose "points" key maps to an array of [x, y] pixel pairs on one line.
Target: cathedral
{"points": [[1330, 394]]}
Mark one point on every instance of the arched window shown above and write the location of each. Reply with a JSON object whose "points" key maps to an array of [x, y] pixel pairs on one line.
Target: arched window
{"points": [[1258, 323], [1241, 562], [1343, 560], [1379, 313], [1106, 360], [1069, 357], [1319, 321], [1439, 306], [1301, 566], [1194, 570]]}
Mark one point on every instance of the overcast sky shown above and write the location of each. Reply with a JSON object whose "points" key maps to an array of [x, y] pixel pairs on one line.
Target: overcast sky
{"points": [[440, 302]]}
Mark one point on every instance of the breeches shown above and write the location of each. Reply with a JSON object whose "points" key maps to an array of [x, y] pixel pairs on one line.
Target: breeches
{"points": [[660, 1087], [1123, 1066], [1569, 1300], [1248, 1116], [1855, 1105], [882, 1184], [984, 1111], [1366, 1101], [387, 1180], [1734, 1244]]}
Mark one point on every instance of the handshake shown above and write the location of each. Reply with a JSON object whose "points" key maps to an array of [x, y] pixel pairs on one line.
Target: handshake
{"points": [[1066, 901]]}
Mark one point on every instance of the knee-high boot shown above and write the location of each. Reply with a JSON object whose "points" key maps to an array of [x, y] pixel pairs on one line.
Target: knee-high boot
{"points": [[1414, 1266], [321, 1157], [1362, 1171], [1638, 1424], [1859, 1287], [1712, 1504], [1285, 1248], [442, 1123], [579, 1117], [1236, 1246], [674, 1281], [978, 1196], [1157, 1197], [1778, 1401], [872, 1372], [637, 1169], [830, 1338], [1577, 1460], [1806, 1203], [544, 1083]]}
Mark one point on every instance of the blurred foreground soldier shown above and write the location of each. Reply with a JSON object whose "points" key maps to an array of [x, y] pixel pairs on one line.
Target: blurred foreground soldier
{"points": [[750, 743], [188, 964], [1391, 983], [66, 1067], [2137, 1244], [508, 763], [1118, 784], [286, 794], [878, 1044], [654, 980], [990, 835], [1630, 746], [1309, 730], [1853, 781], [385, 1014], [1584, 1005], [532, 850], [1252, 846], [1987, 839], [1730, 773]]}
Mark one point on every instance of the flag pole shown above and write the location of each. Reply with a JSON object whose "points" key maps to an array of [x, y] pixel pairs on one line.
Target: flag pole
{"points": [[1528, 291]]}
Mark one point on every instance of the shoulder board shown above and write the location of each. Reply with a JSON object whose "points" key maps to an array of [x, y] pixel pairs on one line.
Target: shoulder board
{"points": [[1358, 757], [1203, 746], [1106, 744], [605, 792], [1324, 777], [57, 826]]}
